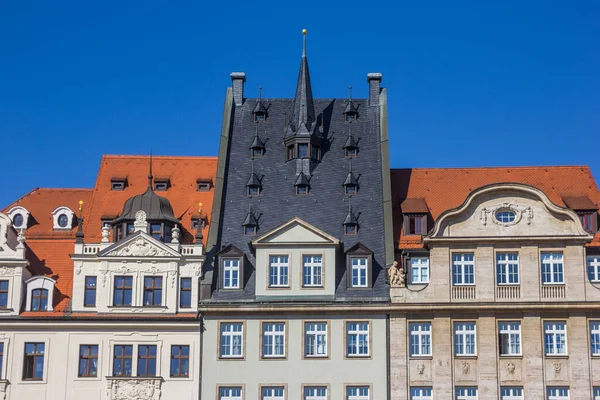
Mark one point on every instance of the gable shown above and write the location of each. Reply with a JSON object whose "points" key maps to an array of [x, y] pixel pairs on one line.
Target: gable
{"points": [[139, 244], [295, 231]]}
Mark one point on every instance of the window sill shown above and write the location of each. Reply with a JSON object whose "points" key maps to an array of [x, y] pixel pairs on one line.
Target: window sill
{"points": [[312, 287], [273, 358], [308, 357], [564, 356], [421, 357], [358, 357], [278, 287], [236, 358], [511, 356], [34, 381], [466, 356]]}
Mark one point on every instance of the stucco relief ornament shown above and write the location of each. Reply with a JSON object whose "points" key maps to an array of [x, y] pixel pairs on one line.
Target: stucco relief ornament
{"points": [[5, 271], [153, 270], [513, 215], [396, 275], [557, 367], [466, 367], [173, 275], [510, 367], [421, 369], [135, 390], [78, 269], [139, 248]]}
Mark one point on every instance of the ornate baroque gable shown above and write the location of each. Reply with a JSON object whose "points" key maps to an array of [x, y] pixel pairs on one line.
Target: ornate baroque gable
{"points": [[139, 244]]}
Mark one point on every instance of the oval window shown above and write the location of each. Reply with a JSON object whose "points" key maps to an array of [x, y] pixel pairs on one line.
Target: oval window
{"points": [[18, 220], [63, 220], [506, 216]]}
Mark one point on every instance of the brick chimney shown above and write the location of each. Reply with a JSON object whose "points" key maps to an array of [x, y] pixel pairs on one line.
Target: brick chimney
{"points": [[238, 79], [374, 79]]}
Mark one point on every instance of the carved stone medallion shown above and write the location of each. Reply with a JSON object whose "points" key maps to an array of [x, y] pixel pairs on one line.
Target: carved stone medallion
{"points": [[139, 248]]}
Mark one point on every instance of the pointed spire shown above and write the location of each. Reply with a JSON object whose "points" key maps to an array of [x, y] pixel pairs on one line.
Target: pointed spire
{"points": [[350, 144], [150, 177], [260, 111], [350, 216], [303, 115], [351, 111]]}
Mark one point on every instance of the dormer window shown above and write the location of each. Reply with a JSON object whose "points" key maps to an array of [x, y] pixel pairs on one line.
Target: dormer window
{"points": [[256, 153], [301, 190], [253, 191], [303, 150], [203, 185], [351, 147], [259, 117], [315, 152], [250, 224], [18, 220], [40, 293], [588, 220], [19, 217], [415, 224], [231, 271], [161, 184], [350, 190], [350, 184], [350, 223], [586, 209], [118, 183], [257, 147], [63, 218], [350, 117], [302, 184], [260, 111], [39, 300], [350, 229], [250, 230], [351, 152], [359, 261], [253, 185]]}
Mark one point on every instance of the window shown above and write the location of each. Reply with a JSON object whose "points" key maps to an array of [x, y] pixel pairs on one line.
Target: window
{"points": [[253, 190], [312, 268], [301, 189], [89, 295], [511, 393], [152, 291], [88, 361], [415, 224], [249, 230], [350, 117], [3, 294], [272, 393], [357, 339], [203, 186], [350, 229], [315, 152], [231, 340], [39, 300], [315, 393], [595, 337], [351, 152], [117, 184], [420, 338], [1, 358], [421, 393], [596, 393], [555, 338], [273, 339], [557, 393], [359, 271], [122, 360], [231, 273], [587, 221], [463, 269], [552, 268], [315, 339], [350, 189], [278, 271], [33, 365], [509, 334], [302, 150], [146, 361], [290, 152], [63, 220], [185, 293], [419, 270], [155, 231], [593, 265], [465, 339], [230, 393], [466, 393], [256, 153], [505, 216], [18, 220], [162, 185], [180, 361], [122, 293], [357, 393], [507, 268]]}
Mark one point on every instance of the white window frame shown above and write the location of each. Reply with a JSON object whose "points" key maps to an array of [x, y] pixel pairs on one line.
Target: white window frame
{"points": [[551, 329], [314, 396], [556, 266], [466, 393], [268, 393], [280, 270], [465, 337], [275, 337], [233, 335], [421, 393], [420, 339], [230, 395], [315, 268], [595, 338], [357, 395], [593, 268], [360, 265], [419, 270], [361, 334], [319, 339], [512, 331], [56, 215], [507, 267], [557, 393], [459, 268], [511, 393], [231, 266]]}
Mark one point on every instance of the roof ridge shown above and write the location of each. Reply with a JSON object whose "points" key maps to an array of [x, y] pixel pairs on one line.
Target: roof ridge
{"points": [[136, 156], [494, 167]]}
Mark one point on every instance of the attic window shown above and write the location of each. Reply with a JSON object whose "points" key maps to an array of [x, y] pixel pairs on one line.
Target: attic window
{"points": [[350, 117], [249, 230], [303, 150], [118, 183], [253, 191], [203, 185], [351, 152], [259, 117], [350, 229], [161, 185], [415, 224], [256, 153], [350, 190], [588, 220], [301, 189]]}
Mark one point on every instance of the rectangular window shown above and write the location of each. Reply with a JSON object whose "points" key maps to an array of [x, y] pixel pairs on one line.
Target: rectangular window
{"points": [[146, 361], [231, 273], [415, 224], [315, 339], [555, 338], [315, 393], [33, 365], [230, 393], [552, 268], [290, 152], [359, 271], [302, 150], [593, 267], [161, 186], [122, 292], [419, 270], [117, 184], [465, 339], [122, 360], [421, 393], [595, 337], [420, 338], [203, 186], [507, 268], [466, 393], [39, 300], [511, 393], [357, 339], [587, 221], [557, 393], [88, 360], [155, 231], [357, 393], [463, 269], [273, 340], [278, 271], [180, 361], [231, 340], [89, 296], [1, 358], [596, 391], [272, 393], [152, 291], [3, 294], [312, 269], [185, 293], [509, 334]]}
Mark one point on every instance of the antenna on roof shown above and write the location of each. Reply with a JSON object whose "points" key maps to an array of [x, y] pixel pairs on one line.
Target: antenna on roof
{"points": [[150, 177]]}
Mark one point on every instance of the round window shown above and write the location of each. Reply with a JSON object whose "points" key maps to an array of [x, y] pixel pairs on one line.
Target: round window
{"points": [[506, 216], [18, 220], [63, 220]]}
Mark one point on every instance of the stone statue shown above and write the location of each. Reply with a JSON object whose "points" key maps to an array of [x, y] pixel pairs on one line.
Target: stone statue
{"points": [[396, 275]]}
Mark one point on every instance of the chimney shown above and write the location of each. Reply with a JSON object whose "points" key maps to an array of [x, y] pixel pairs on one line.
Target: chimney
{"points": [[238, 79], [374, 79]]}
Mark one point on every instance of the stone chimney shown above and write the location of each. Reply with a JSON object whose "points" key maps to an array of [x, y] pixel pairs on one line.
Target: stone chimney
{"points": [[374, 79], [238, 79]]}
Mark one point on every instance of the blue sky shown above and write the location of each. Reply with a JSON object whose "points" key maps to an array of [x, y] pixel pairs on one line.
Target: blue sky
{"points": [[470, 83]]}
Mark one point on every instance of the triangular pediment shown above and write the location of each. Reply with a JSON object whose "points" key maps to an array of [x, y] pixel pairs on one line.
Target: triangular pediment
{"points": [[295, 231], [139, 245]]}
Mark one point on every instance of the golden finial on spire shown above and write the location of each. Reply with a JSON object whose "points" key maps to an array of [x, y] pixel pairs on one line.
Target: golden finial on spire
{"points": [[80, 206], [304, 43], [200, 208], [304, 31]]}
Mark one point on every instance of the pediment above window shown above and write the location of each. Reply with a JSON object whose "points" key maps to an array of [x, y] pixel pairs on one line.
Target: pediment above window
{"points": [[295, 231], [139, 244], [230, 251], [359, 249]]}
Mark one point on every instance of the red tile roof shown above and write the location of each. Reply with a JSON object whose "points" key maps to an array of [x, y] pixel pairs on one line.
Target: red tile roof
{"points": [[447, 188]]}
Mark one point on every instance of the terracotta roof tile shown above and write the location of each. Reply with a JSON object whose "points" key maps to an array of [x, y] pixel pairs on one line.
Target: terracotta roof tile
{"points": [[580, 203]]}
